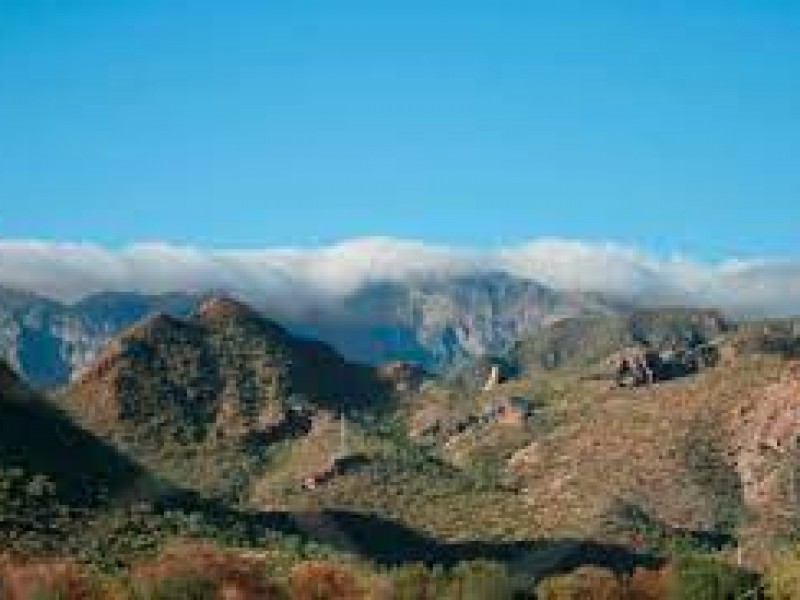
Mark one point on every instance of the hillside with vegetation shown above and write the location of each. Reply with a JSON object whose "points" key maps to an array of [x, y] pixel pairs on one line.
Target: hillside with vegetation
{"points": [[202, 400], [285, 463], [64, 491], [585, 341], [708, 454]]}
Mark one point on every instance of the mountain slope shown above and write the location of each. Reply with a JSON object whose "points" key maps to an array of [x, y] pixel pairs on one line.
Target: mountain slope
{"points": [[64, 493], [710, 455], [691, 454], [205, 397], [581, 341], [62, 488], [39, 439]]}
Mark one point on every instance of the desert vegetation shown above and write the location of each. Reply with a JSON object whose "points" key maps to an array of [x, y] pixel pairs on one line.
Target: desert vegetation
{"points": [[205, 571]]}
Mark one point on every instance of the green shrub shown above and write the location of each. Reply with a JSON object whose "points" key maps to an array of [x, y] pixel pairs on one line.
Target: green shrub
{"points": [[585, 583], [417, 582], [704, 577], [480, 580], [188, 586], [782, 577]]}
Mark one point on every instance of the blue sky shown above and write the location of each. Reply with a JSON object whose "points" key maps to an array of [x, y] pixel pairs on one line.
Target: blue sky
{"points": [[672, 126]]}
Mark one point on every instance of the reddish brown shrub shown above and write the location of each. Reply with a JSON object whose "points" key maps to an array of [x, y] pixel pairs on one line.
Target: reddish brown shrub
{"points": [[320, 580], [650, 584], [21, 580], [591, 583], [230, 575]]}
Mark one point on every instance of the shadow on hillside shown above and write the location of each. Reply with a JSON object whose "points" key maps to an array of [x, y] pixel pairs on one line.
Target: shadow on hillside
{"points": [[390, 543], [631, 517], [39, 439]]}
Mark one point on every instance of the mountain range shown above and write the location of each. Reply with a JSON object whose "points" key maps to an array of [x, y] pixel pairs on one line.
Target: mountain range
{"points": [[439, 322]]}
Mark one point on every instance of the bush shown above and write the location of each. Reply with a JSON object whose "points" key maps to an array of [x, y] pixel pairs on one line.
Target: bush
{"points": [[649, 584], [49, 580], [703, 577], [586, 583], [417, 582], [782, 578], [593, 583], [320, 580], [189, 586], [203, 572], [480, 580]]}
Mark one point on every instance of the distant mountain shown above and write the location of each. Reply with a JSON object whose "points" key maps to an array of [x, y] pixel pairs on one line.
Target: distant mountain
{"points": [[224, 382], [46, 341], [443, 322], [437, 322]]}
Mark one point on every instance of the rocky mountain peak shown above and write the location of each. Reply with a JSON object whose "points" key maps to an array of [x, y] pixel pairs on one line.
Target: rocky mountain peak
{"points": [[220, 308], [224, 371]]}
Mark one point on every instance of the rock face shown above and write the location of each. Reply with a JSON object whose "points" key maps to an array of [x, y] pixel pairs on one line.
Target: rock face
{"points": [[225, 372], [46, 341], [446, 322]]}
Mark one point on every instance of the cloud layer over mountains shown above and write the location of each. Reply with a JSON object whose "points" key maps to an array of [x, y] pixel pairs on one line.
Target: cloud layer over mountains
{"points": [[296, 279]]}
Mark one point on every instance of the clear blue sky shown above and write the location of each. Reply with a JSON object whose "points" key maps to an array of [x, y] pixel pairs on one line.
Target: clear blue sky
{"points": [[240, 124]]}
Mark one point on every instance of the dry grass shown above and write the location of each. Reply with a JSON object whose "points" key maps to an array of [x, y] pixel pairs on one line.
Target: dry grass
{"points": [[592, 583], [62, 579], [228, 575]]}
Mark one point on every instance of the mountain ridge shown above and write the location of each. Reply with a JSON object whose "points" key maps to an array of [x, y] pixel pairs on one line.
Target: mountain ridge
{"points": [[439, 322]]}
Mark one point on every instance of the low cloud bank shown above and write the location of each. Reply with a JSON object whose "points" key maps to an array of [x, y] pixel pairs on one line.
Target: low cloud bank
{"points": [[297, 279]]}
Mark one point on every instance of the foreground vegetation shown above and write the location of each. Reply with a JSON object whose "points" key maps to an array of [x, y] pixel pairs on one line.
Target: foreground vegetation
{"points": [[202, 571]]}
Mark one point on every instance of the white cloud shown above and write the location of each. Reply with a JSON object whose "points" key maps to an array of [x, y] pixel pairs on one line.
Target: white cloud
{"points": [[293, 280]]}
